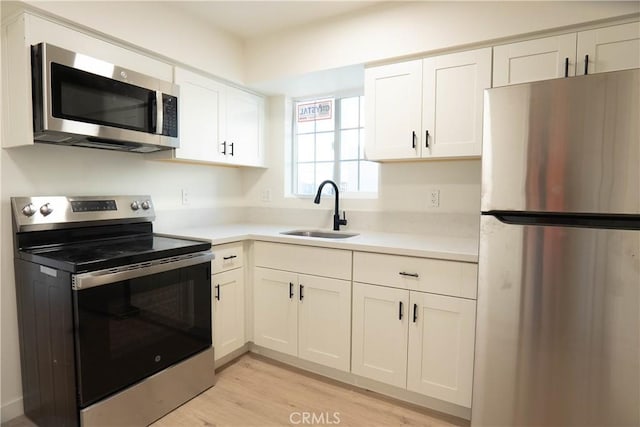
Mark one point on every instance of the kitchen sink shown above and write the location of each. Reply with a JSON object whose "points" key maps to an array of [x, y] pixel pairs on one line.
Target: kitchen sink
{"points": [[319, 233]]}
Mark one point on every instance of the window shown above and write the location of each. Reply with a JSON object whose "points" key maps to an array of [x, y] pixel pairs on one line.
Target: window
{"points": [[328, 143]]}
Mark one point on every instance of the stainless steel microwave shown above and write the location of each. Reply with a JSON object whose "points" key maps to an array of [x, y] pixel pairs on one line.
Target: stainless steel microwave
{"points": [[83, 101]]}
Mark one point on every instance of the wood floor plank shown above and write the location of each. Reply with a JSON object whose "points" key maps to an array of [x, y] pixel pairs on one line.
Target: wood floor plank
{"points": [[254, 391]]}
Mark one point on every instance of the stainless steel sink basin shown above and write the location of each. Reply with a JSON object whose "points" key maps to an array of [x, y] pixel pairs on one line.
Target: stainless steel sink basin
{"points": [[319, 233]]}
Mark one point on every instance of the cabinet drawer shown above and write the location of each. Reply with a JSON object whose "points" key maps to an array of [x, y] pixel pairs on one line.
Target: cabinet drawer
{"points": [[419, 274], [325, 262], [227, 257]]}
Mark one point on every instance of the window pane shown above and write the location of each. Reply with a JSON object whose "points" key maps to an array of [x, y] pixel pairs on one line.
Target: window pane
{"points": [[361, 139], [349, 113], [325, 125], [349, 176], [349, 144], [324, 171], [306, 184], [306, 127], [324, 147], [362, 111], [305, 148], [368, 176]]}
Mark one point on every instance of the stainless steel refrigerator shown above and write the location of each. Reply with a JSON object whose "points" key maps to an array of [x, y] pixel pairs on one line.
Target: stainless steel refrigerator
{"points": [[558, 314]]}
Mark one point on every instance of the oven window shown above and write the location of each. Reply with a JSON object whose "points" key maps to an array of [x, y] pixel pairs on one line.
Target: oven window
{"points": [[129, 330], [86, 97]]}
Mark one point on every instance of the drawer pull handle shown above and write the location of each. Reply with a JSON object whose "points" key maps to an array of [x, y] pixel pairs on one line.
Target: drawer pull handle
{"points": [[229, 257], [301, 293], [218, 292], [586, 65], [290, 290], [402, 273], [400, 310], [415, 313], [413, 139]]}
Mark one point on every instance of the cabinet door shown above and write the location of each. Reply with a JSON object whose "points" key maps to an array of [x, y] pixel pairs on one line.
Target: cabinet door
{"points": [[393, 108], [276, 310], [441, 344], [609, 49], [533, 60], [201, 116], [453, 91], [324, 321], [379, 343], [228, 311], [245, 128]]}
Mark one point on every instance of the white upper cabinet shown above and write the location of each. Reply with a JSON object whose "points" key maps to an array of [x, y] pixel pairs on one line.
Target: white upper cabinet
{"points": [[609, 49], [201, 117], [218, 123], [429, 108], [393, 109], [532, 60], [603, 49], [243, 143], [452, 94]]}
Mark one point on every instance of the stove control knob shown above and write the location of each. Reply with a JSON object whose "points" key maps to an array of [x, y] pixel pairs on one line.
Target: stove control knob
{"points": [[46, 209], [135, 205], [29, 209], [146, 205]]}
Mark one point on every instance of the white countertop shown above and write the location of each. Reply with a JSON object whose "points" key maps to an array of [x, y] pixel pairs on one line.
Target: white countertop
{"points": [[419, 245]]}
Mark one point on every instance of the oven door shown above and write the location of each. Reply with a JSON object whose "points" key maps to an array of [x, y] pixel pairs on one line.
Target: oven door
{"points": [[134, 322]]}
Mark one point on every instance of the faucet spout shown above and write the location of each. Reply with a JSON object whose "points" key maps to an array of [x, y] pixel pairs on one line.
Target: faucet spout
{"points": [[337, 222]]}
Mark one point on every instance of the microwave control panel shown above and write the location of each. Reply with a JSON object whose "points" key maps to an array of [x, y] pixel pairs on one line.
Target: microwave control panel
{"points": [[170, 115]]}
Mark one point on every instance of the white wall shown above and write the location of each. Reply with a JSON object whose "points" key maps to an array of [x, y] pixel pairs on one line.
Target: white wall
{"points": [[396, 29], [158, 28]]}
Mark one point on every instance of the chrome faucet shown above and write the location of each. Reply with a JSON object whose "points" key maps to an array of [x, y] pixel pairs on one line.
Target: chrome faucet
{"points": [[337, 222]]}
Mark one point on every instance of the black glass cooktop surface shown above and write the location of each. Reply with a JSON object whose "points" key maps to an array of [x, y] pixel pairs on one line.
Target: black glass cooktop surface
{"points": [[108, 253]]}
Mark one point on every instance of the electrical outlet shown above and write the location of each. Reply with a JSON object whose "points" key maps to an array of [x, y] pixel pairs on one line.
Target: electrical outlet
{"points": [[266, 195], [434, 199], [185, 196]]}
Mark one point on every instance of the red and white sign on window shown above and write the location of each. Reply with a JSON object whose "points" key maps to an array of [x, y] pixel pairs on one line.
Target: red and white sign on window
{"points": [[316, 110]]}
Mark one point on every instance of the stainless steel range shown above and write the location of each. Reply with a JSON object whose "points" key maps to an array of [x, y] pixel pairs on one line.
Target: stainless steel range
{"points": [[114, 321]]}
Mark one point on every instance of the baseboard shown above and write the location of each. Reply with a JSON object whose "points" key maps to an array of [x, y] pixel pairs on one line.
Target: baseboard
{"points": [[366, 383], [11, 410], [225, 360]]}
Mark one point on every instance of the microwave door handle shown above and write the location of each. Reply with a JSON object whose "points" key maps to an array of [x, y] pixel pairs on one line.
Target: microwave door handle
{"points": [[153, 115], [159, 113]]}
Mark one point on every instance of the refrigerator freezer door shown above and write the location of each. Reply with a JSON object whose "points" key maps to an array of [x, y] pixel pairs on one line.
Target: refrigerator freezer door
{"points": [[558, 327], [564, 145]]}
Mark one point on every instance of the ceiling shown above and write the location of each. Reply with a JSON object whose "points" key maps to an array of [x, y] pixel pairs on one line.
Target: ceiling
{"points": [[250, 19]]}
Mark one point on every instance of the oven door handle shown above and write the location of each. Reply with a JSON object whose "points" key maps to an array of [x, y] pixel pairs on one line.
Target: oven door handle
{"points": [[132, 271]]}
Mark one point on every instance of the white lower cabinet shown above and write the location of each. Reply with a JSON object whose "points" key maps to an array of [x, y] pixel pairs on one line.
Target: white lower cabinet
{"points": [[304, 316], [379, 345], [228, 312], [441, 343], [228, 297], [415, 340]]}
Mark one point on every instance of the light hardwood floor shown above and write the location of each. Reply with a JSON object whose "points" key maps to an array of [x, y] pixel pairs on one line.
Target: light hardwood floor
{"points": [[255, 391]]}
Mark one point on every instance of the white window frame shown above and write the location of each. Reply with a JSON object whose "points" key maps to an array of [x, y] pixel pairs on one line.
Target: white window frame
{"points": [[293, 153]]}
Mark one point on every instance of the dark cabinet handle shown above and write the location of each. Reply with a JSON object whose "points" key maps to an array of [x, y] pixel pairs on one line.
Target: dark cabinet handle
{"points": [[586, 65], [413, 139], [566, 67], [224, 148], [402, 273], [290, 290], [400, 310], [231, 145], [415, 313], [218, 292], [301, 293], [229, 257], [426, 138]]}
